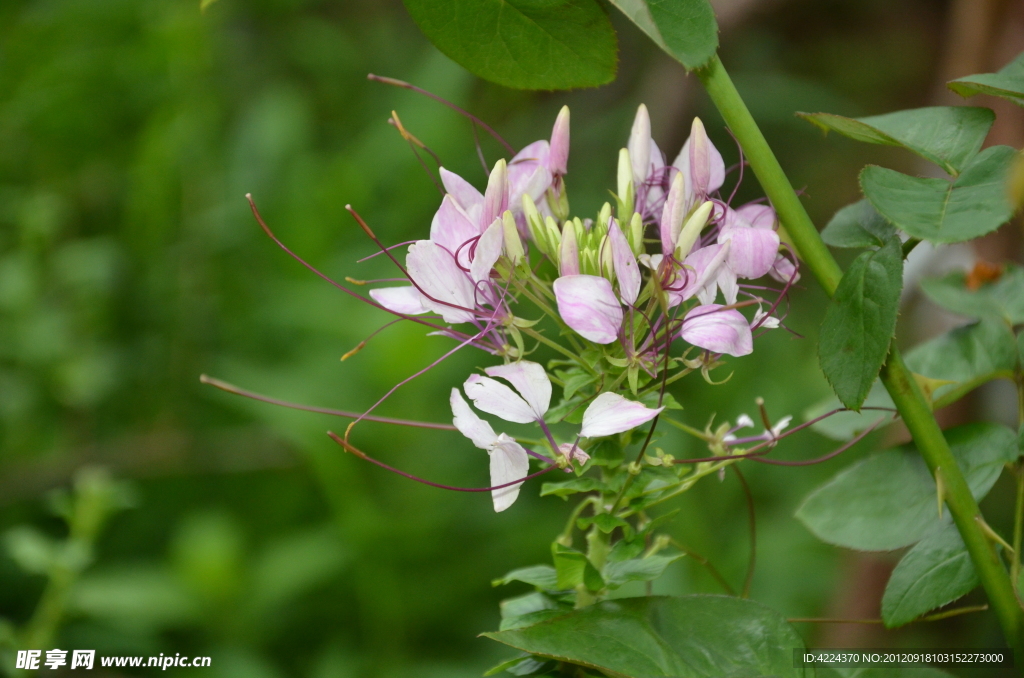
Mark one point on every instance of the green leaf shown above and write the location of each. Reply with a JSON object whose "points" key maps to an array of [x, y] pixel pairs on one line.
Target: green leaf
{"points": [[668, 401], [574, 568], [574, 380], [888, 500], [858, 225], [938, 570], [523, 610], [969, 356], [605, 522], [541, 576], [940, 211], [683, 637], [618, 572], [1002, 299], [860, 321], [847, 425], [1008, 83], [686, 29], [948, 136], [565, 488], [526, 44]]}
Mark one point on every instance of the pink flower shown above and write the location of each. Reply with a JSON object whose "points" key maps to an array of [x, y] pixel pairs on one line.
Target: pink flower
{"points": [[610, 413], [718, 329], [588, 305]]}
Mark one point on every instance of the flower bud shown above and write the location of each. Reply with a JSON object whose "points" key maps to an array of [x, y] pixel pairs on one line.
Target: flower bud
{"points": [[496, 195], [569, 257], [626, 190], [691, 231], [636, 234], [553, 236], [604, 215], [535, 223], [558, 203], [558, 158], [640, 145], [604, 250], [513, 245], [673, 213]]}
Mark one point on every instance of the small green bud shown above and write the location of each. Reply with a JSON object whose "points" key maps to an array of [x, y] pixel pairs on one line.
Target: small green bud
{"points": [[535, 223], [636, 234], [605, 253], [568, 255], [513, 245], [553, 235], [626, 190], [691, 230], [559, 204], [603, 216]]}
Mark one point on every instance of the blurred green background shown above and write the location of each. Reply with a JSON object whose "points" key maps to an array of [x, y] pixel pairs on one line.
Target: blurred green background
{"points": [[130, 264]]}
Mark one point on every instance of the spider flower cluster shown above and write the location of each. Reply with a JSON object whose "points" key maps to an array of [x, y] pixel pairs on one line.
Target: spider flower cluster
{"points": [[645, 291]]}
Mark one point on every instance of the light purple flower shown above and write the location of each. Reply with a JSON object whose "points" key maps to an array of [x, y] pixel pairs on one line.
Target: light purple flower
{"points": [[700, 163], [624, 263], [610, 413], [755, 244], [718, 329], [527, 405], [588, 305], [508, 459]]}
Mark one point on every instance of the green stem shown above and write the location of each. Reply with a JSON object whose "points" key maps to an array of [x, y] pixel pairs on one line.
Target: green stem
{"points": [[898, 380], [558, 347]]}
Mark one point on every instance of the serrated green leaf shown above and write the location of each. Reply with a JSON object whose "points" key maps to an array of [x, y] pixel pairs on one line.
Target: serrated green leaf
{"points": [[948, 136], [574, 486], [1008, 83], [617, 573], [605, 522], [526, 44], [888, 500], [1002, 299], [858, 225], [940, 211], [541, 576], [968, 356], [938, 570], [683, 637], [860, 321], [685, 29]]}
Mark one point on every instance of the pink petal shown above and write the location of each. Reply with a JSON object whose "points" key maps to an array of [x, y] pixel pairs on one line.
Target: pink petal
{"points": [[701, 268], [496, 195], [640, 146], [653, 188], [558, 160], [673, 214], [783, 270], [624, 263], [465, 194], [508, 462], [451, 226], [588, 305], [530, 379], [568, 252], [469, 424], [405, 300], [718, 329], [528, 178], [753, 250], [715, 164], [576, 453], [446, 288], [757, 216], [495, 398], [610, 413], [487, 251]]}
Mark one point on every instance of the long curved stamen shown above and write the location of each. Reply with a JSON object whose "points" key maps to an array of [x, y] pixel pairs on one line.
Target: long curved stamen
{"points": [[362, 455], [414, 88], [235, 390]]}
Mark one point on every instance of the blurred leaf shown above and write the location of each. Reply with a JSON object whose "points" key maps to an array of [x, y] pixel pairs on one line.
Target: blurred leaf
{"points": [[1008, 83], [968, 355], [207, 555], [687, 636], [522, 610], [144, 595], [1002, 299], [296, 564], [604, 521], [860, 321], [938, 570], [568, 487], [858, 225], [847, 425], [888, 500], [541, 576], [619, 572], [948, 136], [33, 551], [685, 29], [526, 44], [574, 568], [939, 211]]}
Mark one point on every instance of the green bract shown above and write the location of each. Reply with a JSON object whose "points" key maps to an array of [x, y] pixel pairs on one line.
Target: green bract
{"points": [[1008, 83]]}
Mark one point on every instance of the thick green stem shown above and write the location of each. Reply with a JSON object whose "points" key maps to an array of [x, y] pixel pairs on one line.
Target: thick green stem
{"points": [[898, 380]]}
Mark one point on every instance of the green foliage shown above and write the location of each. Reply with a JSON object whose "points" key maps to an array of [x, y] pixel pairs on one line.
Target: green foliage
{"points": [[1002, 300], [858, 225], [860, 321], [541, 576], [526, 44], [967, 356], [1008, 83], [949, 136], [685, 29], [889, 500], [940, 211], [683, 637], [938, 570], [650, 568]]}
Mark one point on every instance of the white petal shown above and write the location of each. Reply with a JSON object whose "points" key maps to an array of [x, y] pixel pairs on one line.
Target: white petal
{"points": [[588, 305], [718, 329], [757, 215], [487, 251], [446, 288], [451, 227], [508, 462], [495, 398], [744, 421], [530, 379], [610, 413], [624, 263], [469, 424], [405, 299], [465, 194]]}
